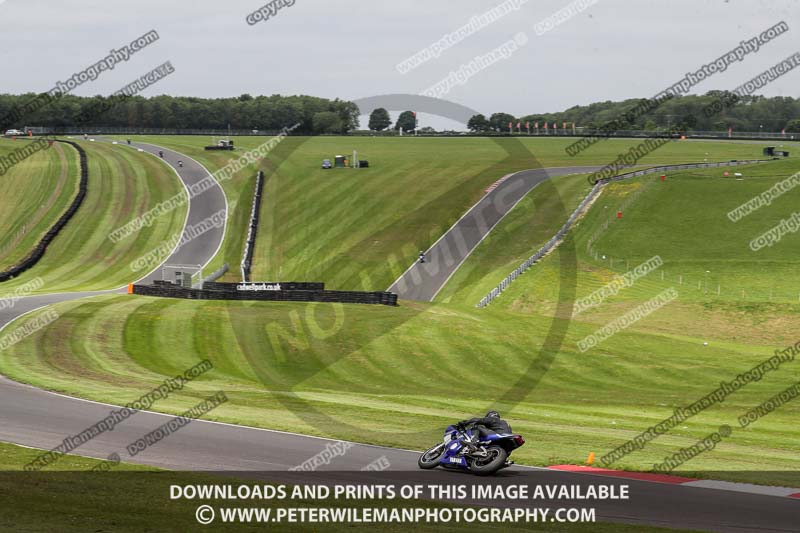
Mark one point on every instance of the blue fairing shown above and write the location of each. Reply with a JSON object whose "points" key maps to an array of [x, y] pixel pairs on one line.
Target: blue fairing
{"points": [[453, 445], [460, 449]]}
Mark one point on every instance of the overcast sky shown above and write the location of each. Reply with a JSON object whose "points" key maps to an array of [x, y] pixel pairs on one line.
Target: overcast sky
{"points": [[350, 49]]}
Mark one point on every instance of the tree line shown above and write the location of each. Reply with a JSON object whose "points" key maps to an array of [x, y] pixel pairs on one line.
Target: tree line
{"points": [[266, 113], [324, 116], [685, 113]]}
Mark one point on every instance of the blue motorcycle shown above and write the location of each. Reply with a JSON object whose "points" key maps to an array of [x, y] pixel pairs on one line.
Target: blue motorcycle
{"points": [[463, 449]]}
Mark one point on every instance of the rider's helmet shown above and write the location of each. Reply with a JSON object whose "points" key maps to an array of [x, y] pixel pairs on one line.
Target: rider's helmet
{"points": [[492, 414]]}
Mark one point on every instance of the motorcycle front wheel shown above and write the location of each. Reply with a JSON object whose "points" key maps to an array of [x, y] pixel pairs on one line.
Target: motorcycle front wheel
{"points": [[494, 461], [430, 459]]}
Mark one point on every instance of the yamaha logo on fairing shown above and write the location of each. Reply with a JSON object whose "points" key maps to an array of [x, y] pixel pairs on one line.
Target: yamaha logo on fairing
{"points": [[455, 460]]}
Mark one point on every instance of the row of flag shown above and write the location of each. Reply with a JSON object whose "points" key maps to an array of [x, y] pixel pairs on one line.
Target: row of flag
{"points": [[730, 132], [536, 126]]}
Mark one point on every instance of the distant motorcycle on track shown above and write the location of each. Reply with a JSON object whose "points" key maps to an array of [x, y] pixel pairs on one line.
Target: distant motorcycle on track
{"points": [[463, 449]]}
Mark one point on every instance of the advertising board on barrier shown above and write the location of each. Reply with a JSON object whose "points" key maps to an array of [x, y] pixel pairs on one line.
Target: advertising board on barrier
{"points": [[258, 287]]}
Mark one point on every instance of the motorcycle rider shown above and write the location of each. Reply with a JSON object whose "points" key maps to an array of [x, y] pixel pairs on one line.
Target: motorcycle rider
{"points": [[491, 424]]}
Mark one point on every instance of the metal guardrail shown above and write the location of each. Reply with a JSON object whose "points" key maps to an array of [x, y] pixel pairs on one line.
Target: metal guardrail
{"points": [[699, 134], [214, 276], [119, 130], [602, 134], [553, 242], [250, 242], [580, 132]]}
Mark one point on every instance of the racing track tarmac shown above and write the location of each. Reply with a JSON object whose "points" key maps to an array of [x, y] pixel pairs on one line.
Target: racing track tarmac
{"points": [[41, 419], [33, 417], [422, 281], [198, 251]]}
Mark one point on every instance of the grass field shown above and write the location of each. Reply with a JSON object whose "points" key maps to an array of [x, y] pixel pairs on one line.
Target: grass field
{"points": [[361, 229], [122, 185], [35, 194], [684, 221], [133, 499], [238, 190], [704, 252], [399, 375]]}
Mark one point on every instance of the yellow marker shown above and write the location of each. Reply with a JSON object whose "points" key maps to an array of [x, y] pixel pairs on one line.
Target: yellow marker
{"points": [[590, 460]]}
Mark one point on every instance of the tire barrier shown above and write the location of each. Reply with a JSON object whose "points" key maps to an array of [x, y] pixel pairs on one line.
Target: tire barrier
{"points": [[38, 252], [252, 230], [166, 289], [552, 243]]}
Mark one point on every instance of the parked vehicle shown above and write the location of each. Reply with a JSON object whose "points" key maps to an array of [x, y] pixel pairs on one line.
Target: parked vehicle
{"points": [[461, 450], [13, 133], [326, 164]]}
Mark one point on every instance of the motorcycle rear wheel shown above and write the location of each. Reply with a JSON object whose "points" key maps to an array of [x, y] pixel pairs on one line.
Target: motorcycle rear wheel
{"points": [[430, 459], [486, 466]]}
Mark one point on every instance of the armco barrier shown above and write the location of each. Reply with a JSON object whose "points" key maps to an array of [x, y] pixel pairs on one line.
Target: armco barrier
{"points": [[252, 229], [580, 132], [170, 290], [38, 251], [549, 245], [216, 274], [685, 166], [117, 130]]}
